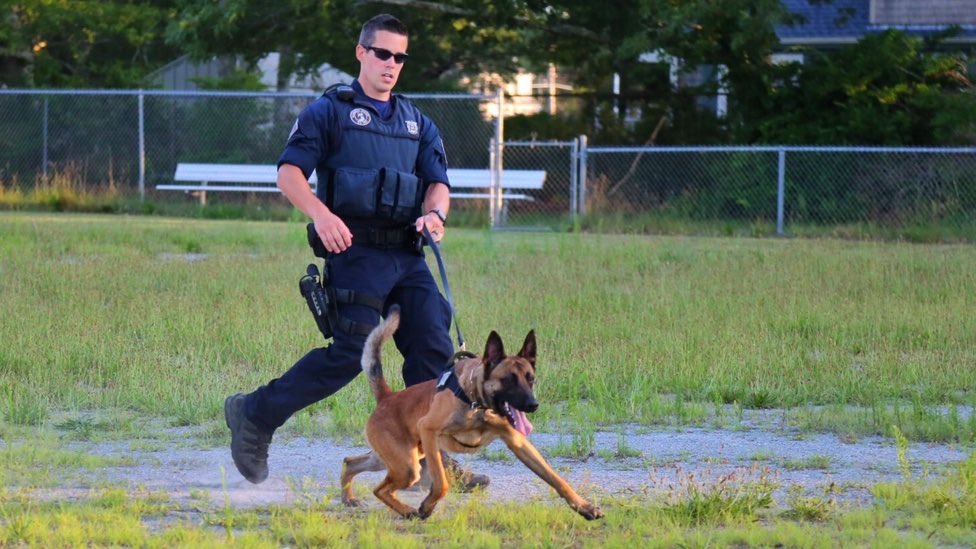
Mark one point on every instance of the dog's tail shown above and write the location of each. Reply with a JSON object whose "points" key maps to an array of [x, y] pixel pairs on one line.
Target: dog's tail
{"points": [[372, 365]]}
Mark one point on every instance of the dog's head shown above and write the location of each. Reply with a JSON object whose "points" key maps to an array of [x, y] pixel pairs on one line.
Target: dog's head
{"points": [[509, 380]]}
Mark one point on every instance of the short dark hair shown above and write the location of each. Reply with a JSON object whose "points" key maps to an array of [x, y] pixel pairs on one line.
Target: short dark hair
{"points": [[381, 22]]}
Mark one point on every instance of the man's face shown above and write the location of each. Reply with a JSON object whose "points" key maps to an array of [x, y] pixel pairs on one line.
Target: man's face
{"points": [[375, 75]]}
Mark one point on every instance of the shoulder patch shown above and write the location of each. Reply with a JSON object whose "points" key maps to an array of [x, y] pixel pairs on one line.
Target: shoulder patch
{"points": [[360, 117]]}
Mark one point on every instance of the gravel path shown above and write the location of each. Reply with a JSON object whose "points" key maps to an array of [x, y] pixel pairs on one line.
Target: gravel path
{"points": [[304, 469]]}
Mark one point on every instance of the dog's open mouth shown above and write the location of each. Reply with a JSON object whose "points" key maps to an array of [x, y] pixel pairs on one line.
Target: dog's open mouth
{"points": [[517, 419]]}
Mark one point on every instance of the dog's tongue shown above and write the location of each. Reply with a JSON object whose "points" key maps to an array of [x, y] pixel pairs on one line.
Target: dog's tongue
{"points": [[522, 423]]}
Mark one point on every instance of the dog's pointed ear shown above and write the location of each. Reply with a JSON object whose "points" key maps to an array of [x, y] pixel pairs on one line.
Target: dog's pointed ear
{"points": [[528, 348], [494, 350]]}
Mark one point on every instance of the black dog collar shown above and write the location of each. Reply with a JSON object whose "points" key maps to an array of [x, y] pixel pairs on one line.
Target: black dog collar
{"points": [[449, 380]]}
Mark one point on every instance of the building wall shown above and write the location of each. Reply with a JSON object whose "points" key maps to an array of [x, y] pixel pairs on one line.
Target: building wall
{"points": [[930, 12]]}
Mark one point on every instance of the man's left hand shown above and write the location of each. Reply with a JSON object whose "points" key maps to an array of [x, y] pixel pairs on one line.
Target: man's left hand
{"points": [[434, 225]]}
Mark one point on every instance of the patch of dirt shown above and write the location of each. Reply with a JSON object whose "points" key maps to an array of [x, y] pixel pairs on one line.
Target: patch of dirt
{"points": [[651, 461]]}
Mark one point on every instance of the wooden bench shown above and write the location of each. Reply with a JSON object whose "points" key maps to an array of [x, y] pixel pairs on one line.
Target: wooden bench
{"points": [[257, 178]]}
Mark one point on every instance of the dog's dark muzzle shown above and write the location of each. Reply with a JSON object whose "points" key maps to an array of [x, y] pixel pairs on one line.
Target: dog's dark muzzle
{"points": [[527, 404]]}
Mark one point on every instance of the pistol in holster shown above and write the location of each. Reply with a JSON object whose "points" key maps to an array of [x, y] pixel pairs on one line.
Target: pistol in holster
{"points": [[323, 298]]}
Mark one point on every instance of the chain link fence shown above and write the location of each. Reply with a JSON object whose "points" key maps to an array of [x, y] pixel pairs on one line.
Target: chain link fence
{"points": [[130, 141], [788, 188], [127, 142], [555, 204]]}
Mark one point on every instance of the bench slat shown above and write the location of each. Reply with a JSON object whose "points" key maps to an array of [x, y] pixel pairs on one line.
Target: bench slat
{"points": [[230, 173], [461, 178], [465, 178], [505, 196], [265, 177], [235, 188]]}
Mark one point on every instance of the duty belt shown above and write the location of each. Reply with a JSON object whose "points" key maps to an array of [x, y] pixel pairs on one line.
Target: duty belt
{"points": [[386, 239]]}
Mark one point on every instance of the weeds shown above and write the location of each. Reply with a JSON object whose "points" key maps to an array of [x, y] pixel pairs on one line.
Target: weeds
{"points": [[493, 452], [819, 461], [20, 407], [810, 508], [581, 446], [622, 451], [709, 498]]}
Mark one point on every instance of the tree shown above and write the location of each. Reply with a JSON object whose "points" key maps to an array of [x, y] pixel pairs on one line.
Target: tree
{"points": [[83, 43], [16, 54], [737, 34], [888, 89], [252, 29], [465, 36]]}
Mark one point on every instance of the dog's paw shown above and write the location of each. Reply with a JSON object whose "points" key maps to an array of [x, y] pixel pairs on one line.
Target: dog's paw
{"points": [[412, 514], [590, 512], [352, 502]]}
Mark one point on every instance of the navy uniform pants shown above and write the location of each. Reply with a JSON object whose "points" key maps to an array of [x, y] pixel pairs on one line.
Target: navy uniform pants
{"points": [[397, 276]]}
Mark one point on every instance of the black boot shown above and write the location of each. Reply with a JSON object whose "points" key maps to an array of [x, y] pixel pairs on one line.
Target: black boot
{"points": [[248, 443], [464, 478]]}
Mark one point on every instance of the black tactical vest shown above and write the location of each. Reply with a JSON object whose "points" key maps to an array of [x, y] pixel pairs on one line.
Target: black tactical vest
{"points": [[369, 172]]}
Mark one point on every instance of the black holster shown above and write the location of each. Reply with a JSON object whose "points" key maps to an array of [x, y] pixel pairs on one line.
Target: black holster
{"points": [[313, 289], [323, 299]]}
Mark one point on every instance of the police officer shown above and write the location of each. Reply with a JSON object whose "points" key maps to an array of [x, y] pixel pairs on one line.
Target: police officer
{"points": [[382, 174]]}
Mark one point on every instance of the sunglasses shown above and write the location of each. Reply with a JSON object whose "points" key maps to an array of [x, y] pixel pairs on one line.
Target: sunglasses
{"points": [[383, 54]]}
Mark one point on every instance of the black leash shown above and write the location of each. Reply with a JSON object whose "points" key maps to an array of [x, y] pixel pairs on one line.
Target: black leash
{"points": [[447, 286]]}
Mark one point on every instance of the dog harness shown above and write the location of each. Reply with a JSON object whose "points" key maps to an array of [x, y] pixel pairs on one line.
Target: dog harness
{"points": [[449, 380]]}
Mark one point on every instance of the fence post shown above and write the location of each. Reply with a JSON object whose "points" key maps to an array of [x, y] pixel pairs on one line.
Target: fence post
{"points": [[44, 158], [497, 163], [492, 179], [573, 179], [581, 177], [142, 147], [780, 191]]}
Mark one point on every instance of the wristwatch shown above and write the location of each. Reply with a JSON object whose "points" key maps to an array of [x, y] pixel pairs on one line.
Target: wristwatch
{"points": [[439, 214]]}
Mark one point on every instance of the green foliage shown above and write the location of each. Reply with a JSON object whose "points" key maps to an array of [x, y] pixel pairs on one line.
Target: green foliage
{"points": [[952, 499], [99, 44], [544, 126], [810, 508], [467, 37], [738, 34], [704, 498], [238, 80], [888, 89], [580, 447], [21, 407]]}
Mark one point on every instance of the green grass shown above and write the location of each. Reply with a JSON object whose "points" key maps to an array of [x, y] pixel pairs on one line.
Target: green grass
{"points": [[819, 461], [34, 463], [110, 322], [166, 316]]}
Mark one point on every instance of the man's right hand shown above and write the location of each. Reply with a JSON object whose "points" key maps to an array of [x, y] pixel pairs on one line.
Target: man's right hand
{"points": [[333, 232]]}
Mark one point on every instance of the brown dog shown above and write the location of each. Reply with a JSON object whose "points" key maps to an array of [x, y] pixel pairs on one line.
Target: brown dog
{"points": [[422, 419]]}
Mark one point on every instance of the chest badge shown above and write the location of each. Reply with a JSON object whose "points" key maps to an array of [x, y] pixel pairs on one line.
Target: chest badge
{"points": [[411, 127], [360, 117]]}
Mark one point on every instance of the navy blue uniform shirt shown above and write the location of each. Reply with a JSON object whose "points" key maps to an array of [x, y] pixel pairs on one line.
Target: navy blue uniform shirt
{"points": [[315, 136]]}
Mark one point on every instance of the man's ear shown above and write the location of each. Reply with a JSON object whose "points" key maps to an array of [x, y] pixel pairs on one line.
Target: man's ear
{"points": [[528, 348]]}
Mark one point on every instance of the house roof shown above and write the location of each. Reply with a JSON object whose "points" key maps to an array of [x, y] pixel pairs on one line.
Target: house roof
{"points": [[840, 22]]}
